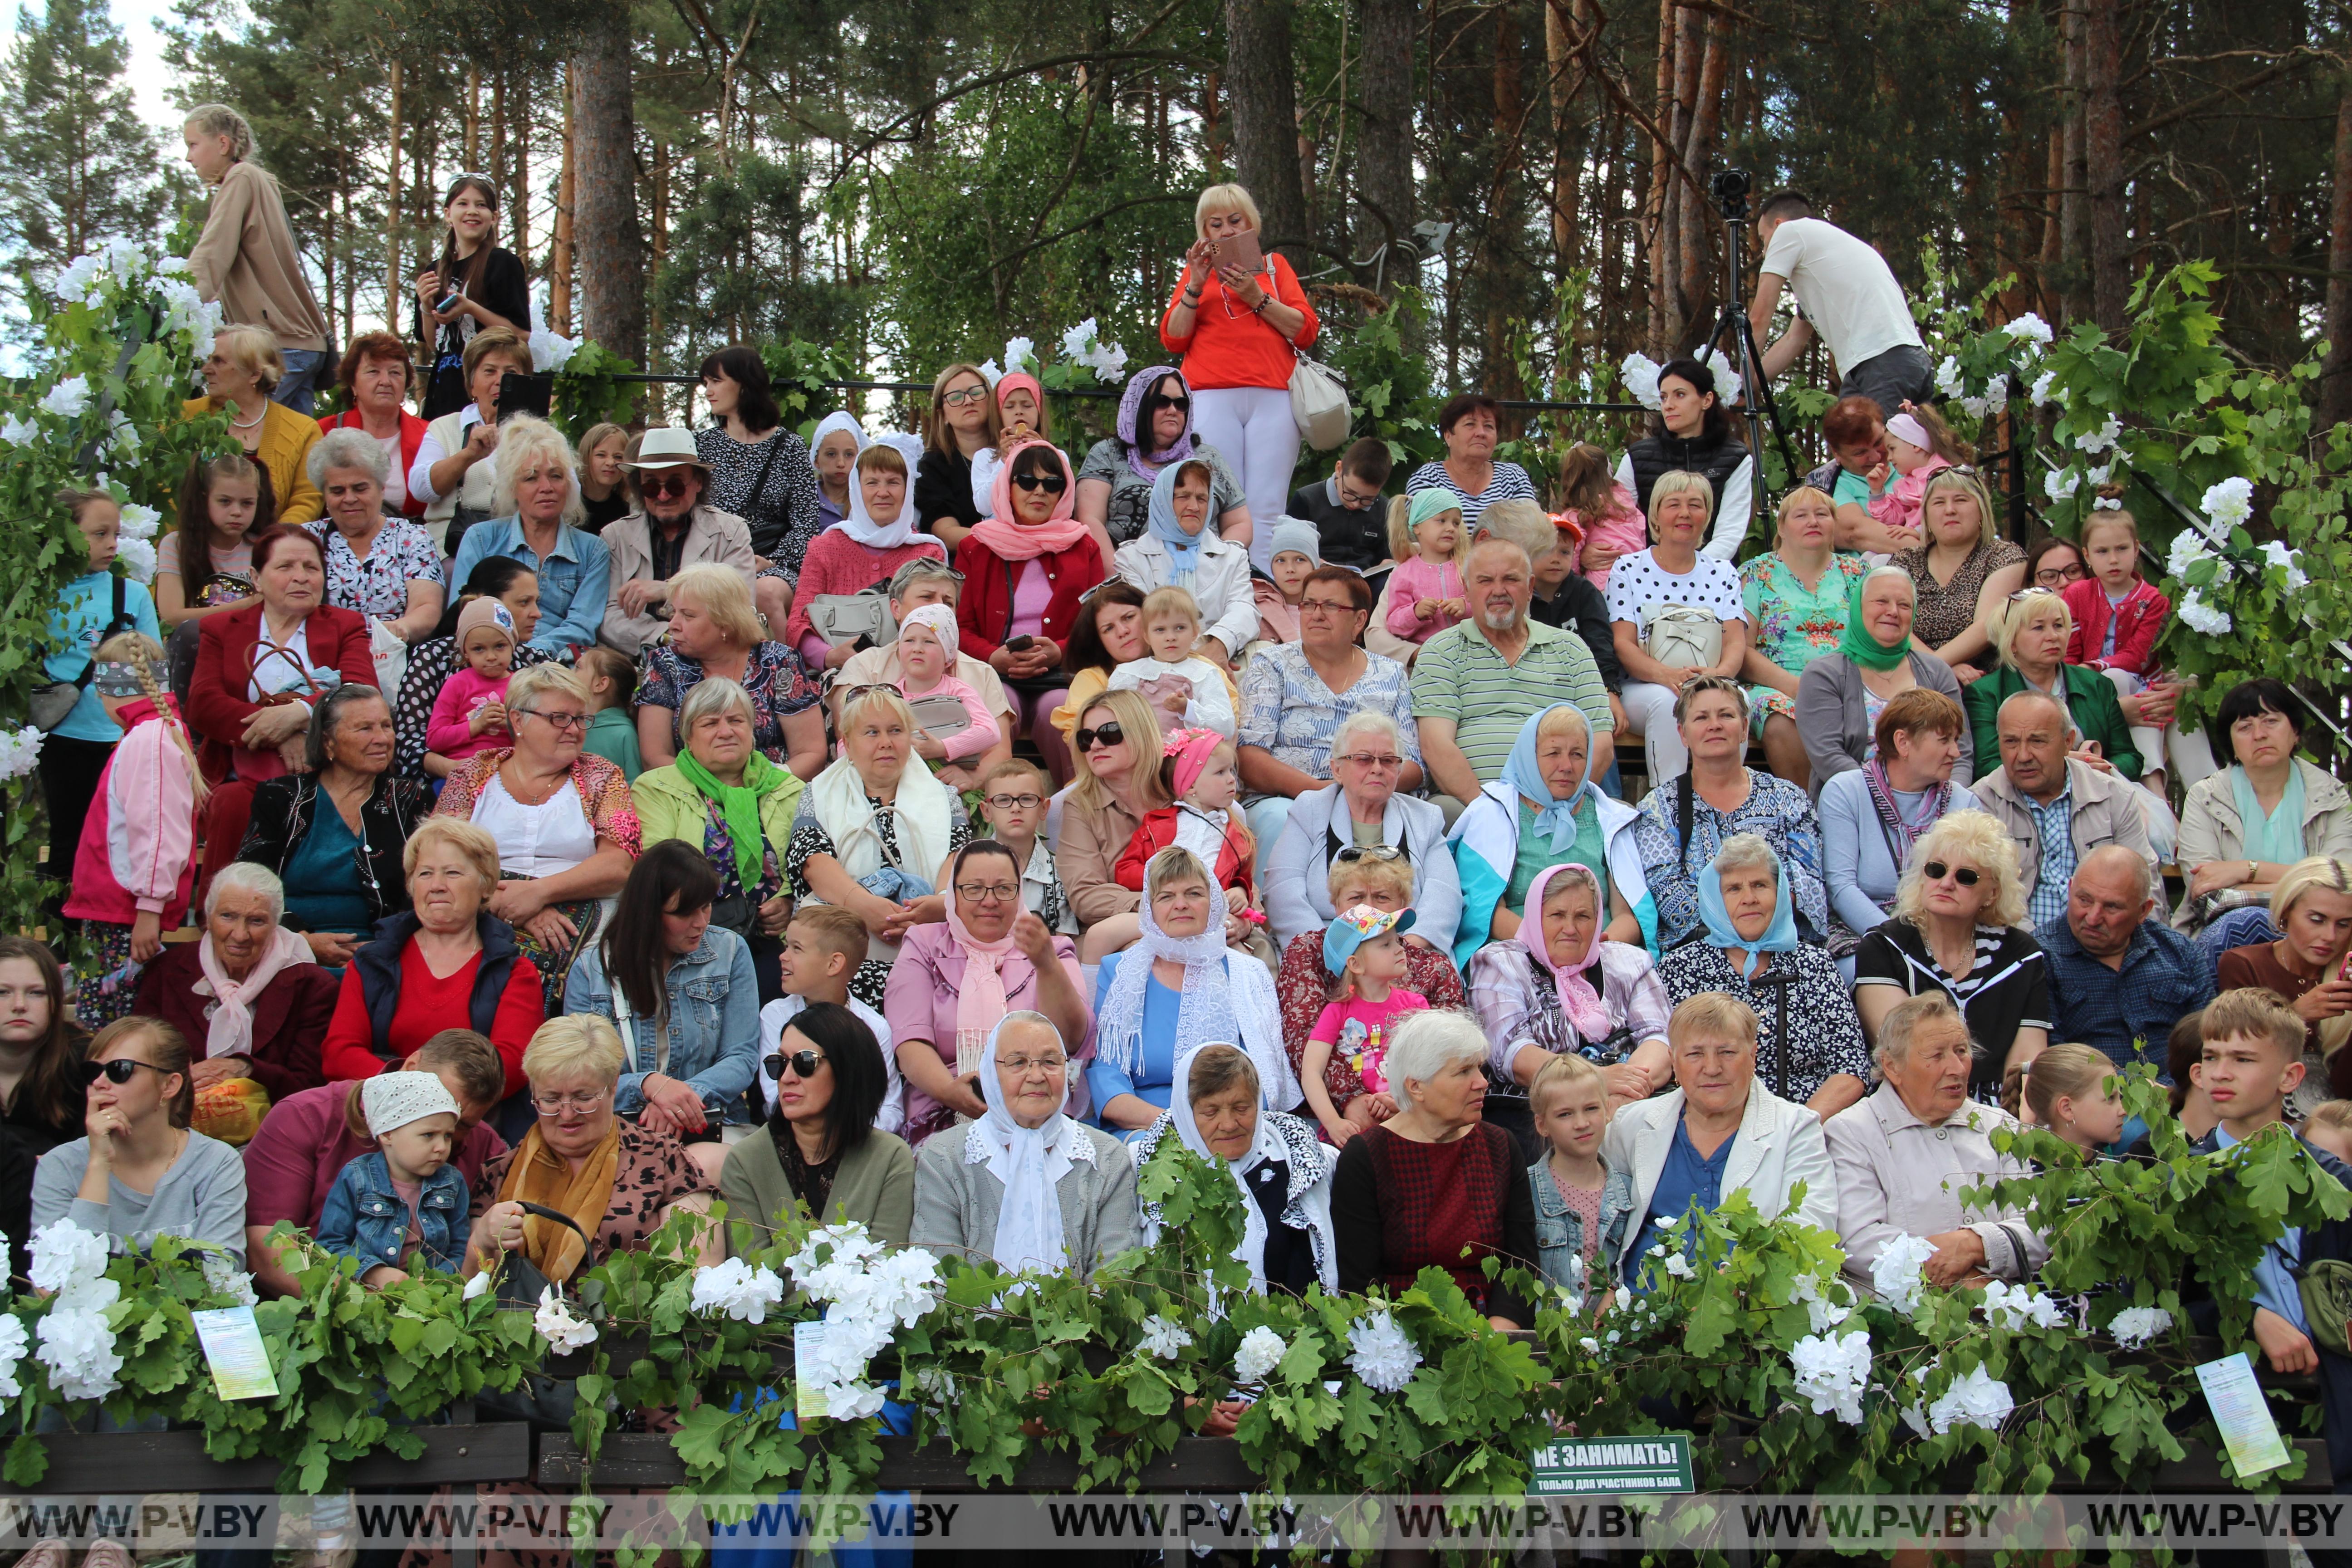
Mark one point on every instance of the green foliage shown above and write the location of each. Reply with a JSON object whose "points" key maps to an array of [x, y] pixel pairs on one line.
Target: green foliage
{"points": [[1388, 386], [586, 393]]}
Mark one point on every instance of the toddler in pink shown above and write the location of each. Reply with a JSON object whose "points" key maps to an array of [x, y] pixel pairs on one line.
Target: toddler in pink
{"points": [[1426, 538], [1364, 951], [928, 640], [470, 714], [1608, 514], [1911, 447]]}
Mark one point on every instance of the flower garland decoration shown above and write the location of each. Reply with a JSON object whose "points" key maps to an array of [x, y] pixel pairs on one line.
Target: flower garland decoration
{"points": [[75, 1340], [869, 1292], [1384, 1355], [2136, 1326], [1833, 1373], [1164, 1339], [1261, 1352], [1895, 1273], [1978, 1399], [736, 1290], [564, 1329]]}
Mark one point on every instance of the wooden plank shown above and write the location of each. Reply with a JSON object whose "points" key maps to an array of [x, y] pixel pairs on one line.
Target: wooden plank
{"points": [[104, 1462], [639, 1459]]}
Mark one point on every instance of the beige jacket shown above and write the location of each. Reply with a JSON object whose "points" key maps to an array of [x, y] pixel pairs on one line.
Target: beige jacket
{"points": [[2104, 810], [246, 260], [711, 535], [1898, 1176], [2211, 829], [1087, 848]]}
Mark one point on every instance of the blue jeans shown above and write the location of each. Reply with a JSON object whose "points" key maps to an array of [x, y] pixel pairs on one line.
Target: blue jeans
{"points": [[299, 391]]}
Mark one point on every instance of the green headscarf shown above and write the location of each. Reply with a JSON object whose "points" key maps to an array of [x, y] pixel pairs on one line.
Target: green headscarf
{"points": [[1857, 643], [739, 807]]}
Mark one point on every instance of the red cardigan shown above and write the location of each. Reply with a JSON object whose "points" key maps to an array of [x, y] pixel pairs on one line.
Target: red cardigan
{"points": [[1157, 831], [836, 563], [2141, 622], [985, 611], [218, 707], [412, 431], [289, 1017]]}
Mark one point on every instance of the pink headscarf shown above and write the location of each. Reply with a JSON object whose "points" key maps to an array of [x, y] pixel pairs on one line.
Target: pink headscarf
{"points": [[980, 998], [1012, 541], [1192, 749], [1017, 381], [1578, 998]]}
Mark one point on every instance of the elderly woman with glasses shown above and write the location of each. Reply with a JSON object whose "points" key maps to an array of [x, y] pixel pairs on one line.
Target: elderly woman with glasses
{"points": [[1363, 810], [564, 823], [386, 568], [1958, 931]]}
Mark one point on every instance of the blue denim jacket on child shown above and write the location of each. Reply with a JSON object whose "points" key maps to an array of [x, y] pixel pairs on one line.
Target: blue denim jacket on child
{"points": [[714, 1023], [364, 1218]]}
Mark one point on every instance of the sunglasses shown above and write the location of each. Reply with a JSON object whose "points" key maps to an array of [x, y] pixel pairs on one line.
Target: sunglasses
{"points": [[1181, 404], [1355, 852], [1110, 734], [1052, 484], [803, 1063], [117, 1072], [1936, 871], [663, 486]]}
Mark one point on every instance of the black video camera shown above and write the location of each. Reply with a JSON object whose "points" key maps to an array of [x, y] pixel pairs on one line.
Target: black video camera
{"points": [[1730, 188]]}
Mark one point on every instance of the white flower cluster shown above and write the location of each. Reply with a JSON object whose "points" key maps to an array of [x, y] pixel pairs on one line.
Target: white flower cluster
{"points": [[1896, 1274], [2135, 1326], [14, 1342], [1083, 344], [2091, 443], [738, 1290], [2288, 561], [2188, 547], [1019, 354], [1164, 1339], [1823, 1306], [2060, 483], [1948, 376], [2032, 333], [224, 1278], [1385, 1354], [19, 753], [2046, 390], [551, 351], [1640, 372], [138, 558], [2229, 502], [2014, 1306], [1261, 1352], [870, 1293], [1833, 1373], [67, 398], [76, 1343], [557, 1324], [1980, 1399], [2201, 616]]}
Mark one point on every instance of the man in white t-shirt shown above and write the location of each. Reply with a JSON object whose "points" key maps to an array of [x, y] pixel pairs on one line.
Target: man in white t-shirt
{"points": [[1847, 295]]}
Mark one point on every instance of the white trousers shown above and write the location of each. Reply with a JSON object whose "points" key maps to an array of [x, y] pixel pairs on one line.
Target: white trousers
{"points": [[1651, 710], [2189, 757], [1252, 429]]}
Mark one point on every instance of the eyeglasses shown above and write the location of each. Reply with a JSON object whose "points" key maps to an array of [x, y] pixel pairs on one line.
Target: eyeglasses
{"points": [[1016, 802], [1019, 1067], [1370, 759], [556, 721], [118, 1072], [1326, 607], [803, 1063], [2049, 575], [969, 394], [557, 1104], [661, 486], [1052, 484], [988, 892], [1936, 871], [1355, 852], [1110, 734]]}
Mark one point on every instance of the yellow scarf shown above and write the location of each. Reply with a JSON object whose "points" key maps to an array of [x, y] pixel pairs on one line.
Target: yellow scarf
{"points": [[539, 1176]]}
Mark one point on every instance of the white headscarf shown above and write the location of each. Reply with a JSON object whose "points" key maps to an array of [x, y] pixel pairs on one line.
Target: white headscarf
{"points": [[1226, 999], [1300, 1154], [859, 524], [845, 423], [1031, 1161]]}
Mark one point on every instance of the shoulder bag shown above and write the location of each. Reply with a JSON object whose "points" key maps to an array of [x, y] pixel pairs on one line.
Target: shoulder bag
{"points": [[1681, 637], [840, 618], [1319, 401], [54, 703]]}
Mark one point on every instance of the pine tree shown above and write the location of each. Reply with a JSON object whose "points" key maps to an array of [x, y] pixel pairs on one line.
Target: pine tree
{"points": [[78, 167]]}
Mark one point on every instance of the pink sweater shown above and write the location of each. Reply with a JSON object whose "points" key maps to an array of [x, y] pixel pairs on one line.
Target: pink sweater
{"points": [[138, 848], [1625, 531], [447, 733], [1414, 581], [984, 732], [836, 563], [1899, 507]]}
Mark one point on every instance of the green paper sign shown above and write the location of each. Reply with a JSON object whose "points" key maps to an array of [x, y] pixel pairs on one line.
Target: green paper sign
{"points": [[1651, 1464]]}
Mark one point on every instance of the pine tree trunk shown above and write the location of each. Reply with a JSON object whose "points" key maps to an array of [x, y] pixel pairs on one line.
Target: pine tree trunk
{"points": [[1662, 214], [609, 242], [392, 205], [521, 173], [2102, 159], [2073, 200], [2335, 372], [1384, 190], [1697, 283], [1561, 27], [473, 119], [1501, 370], [559, 258], [1259, 79]]}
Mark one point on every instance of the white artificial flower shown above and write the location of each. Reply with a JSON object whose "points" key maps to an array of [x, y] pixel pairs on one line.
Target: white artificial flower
{"points": [[1261, 1352], [69, 397], [2098, 474], [2044, 392], [1676, 1265], [125, 259], [64, 1254], [76, 1343], [1589, 1345], [1833, 1373], [479, 1285], [2102, 439], [2201, 616], [138, 558], [992, 371], [1164, 1339], [551, 352], [2013, 1307], [19, 753], [1640, 372], [1019, 354], [1727, 379], [72, 282], [2135, 1326], [224, 1278], [1110, 362], [2188, 547], [2060, 483], [2230, 503], [2032, 333], [173, 267], [13, 1341], [1385, 1354], [557, 1325], [1896, 1274], [2288, 561], [1825, 1312], [1983, 407], [869, 1292], [1079, 339], [124, 437], [17, 431], [139, 521], [1980, 1399], [1948, 377], [738, 1290]]}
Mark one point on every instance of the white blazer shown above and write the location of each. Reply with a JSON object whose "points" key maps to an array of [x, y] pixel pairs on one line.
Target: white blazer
{"points": [[1220, 586], [1779, 1144]]}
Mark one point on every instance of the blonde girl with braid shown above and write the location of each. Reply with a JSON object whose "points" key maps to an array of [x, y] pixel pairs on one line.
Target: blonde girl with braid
{"points": [[136, 865]]}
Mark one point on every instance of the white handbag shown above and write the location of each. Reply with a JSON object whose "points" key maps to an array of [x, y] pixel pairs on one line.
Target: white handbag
{"points": [[1682, 638], [390, 653], [1318, 402]]}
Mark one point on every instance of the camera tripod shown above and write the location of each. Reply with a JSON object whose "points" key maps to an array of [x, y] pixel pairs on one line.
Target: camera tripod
{"points": [[1730, 188]]}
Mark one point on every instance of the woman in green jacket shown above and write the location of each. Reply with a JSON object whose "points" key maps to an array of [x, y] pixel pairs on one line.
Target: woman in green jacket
{"points": [[820, 1154], [724, 797], [2030, 636]]}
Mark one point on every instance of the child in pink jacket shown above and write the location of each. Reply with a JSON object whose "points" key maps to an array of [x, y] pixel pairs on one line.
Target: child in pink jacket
{"points": [[926, 651], [136, 864], [1912, 448]]}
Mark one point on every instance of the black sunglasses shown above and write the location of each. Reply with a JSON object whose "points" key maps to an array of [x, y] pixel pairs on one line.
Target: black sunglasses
{"points": [[1935, 870], [1052, 484], [1110, 734], [803, 1063], [117, 1072], [1354, 852]]}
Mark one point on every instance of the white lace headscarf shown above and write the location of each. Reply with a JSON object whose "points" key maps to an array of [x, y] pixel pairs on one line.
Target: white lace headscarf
{"points": [[1030, 1162], [1310, 1211]]}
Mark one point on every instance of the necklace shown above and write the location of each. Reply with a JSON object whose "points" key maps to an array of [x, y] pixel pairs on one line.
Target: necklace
{"points": [[506, 775], [236, 424]]}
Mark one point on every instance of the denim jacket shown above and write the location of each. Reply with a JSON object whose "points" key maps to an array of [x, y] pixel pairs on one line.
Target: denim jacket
{"points": [[1560, 1229], [714, 1023], [364, 1218]]}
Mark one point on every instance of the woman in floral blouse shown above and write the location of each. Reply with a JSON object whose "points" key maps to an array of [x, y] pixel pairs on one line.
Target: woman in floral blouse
{"points": [[1796, 599], [386, 568], [715, 631]]}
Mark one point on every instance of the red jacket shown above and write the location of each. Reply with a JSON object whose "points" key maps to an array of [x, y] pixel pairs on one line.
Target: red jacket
{"points": [[218, 709], [985, 612], [2140, 622], [412, 431], [1158, 831]]}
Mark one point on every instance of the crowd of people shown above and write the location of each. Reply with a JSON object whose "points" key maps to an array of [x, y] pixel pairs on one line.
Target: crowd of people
{"points": [[921, 831]]}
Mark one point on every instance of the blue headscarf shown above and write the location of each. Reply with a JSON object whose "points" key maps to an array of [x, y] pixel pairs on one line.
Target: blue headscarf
{"points": [[1780, 936], [1523, 774], [1183, 549]]}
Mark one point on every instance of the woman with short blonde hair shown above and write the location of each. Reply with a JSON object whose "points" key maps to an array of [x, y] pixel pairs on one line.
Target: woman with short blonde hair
{"points": [[1964, 570], [540, 511], [241, 375], [715, 629]]}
